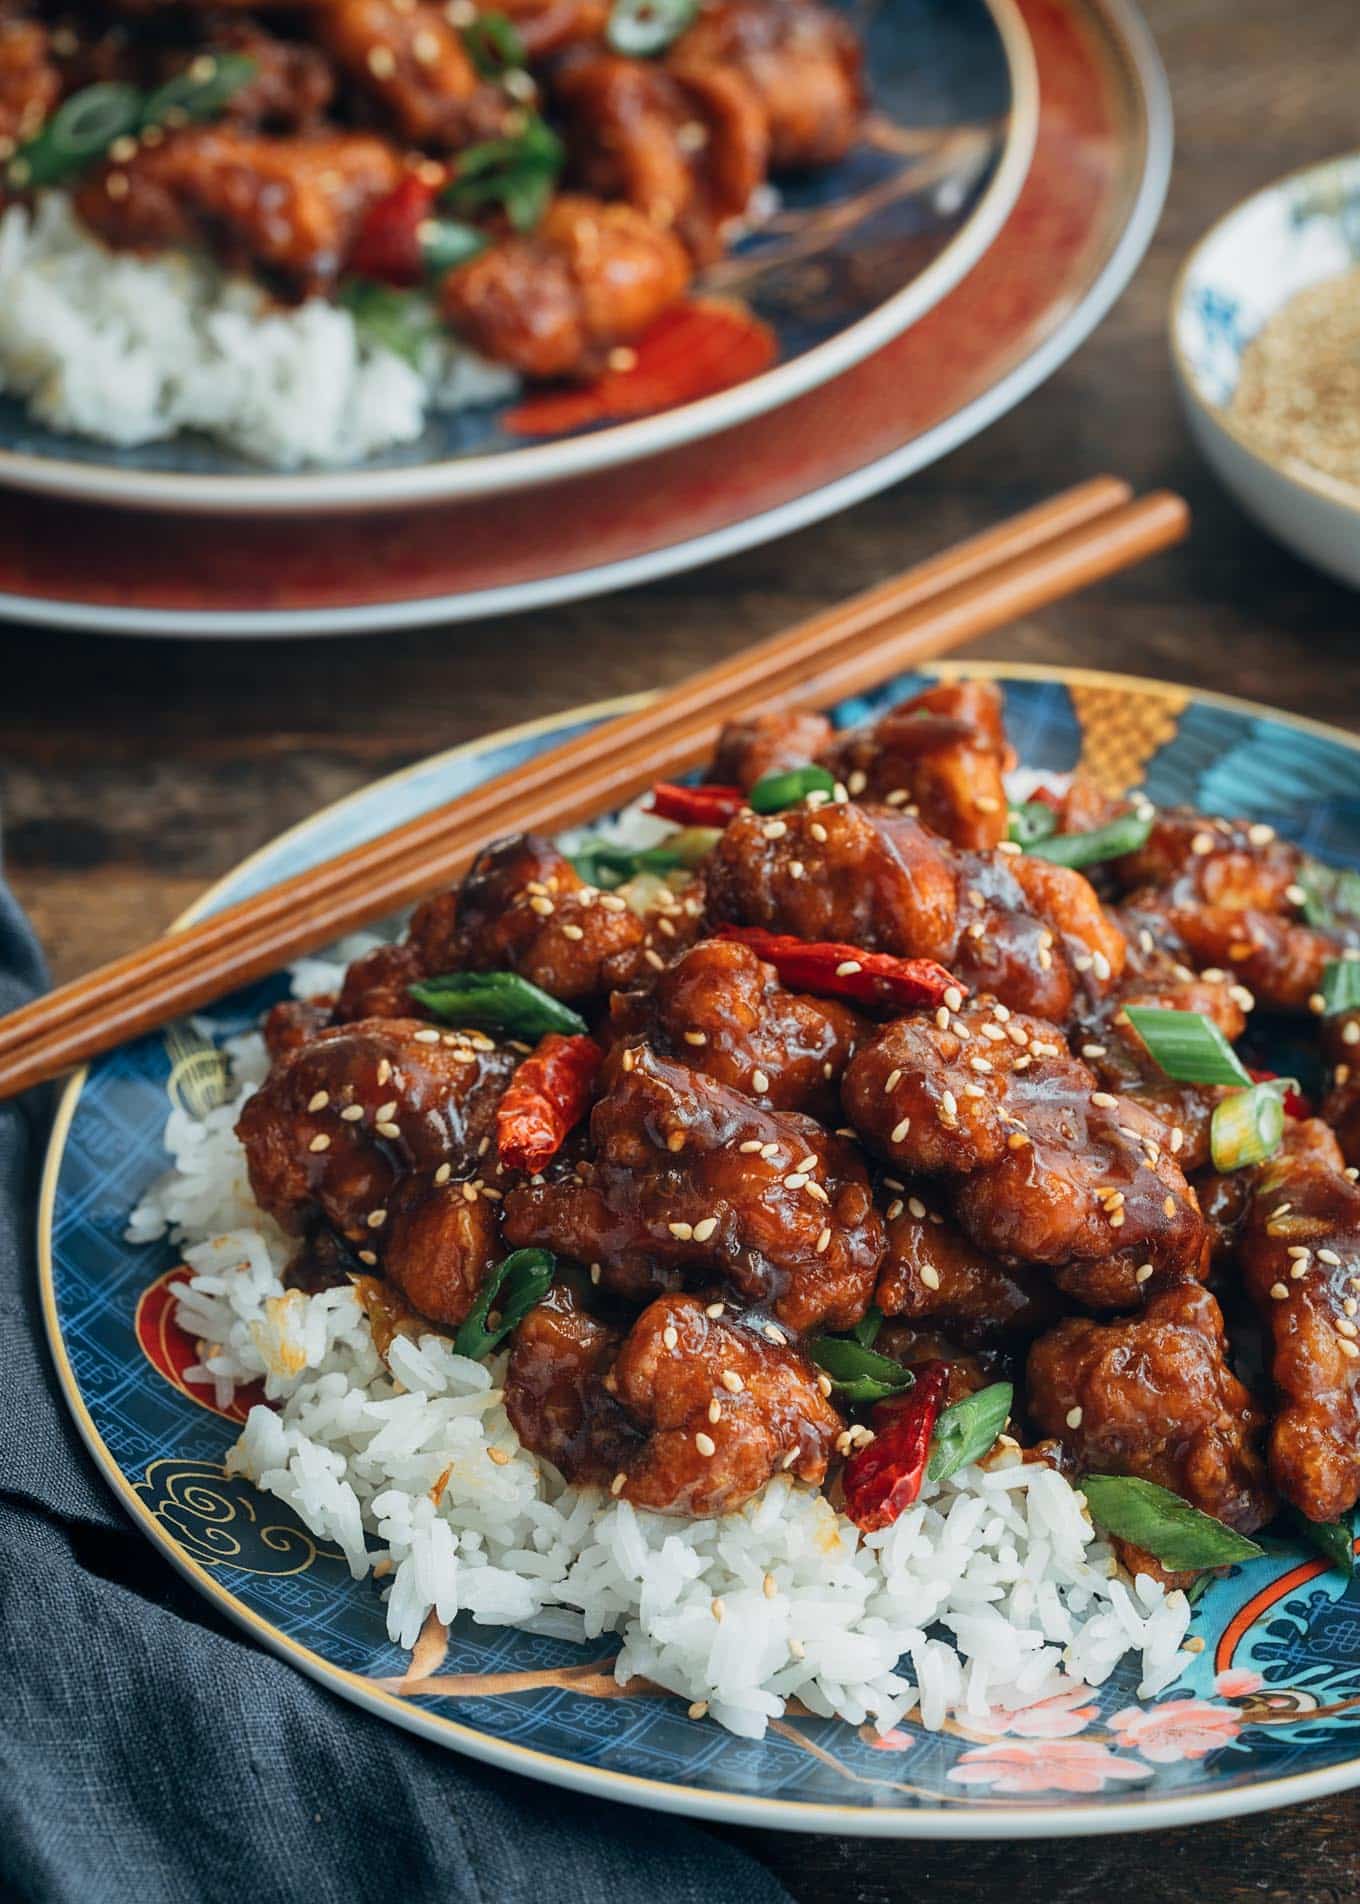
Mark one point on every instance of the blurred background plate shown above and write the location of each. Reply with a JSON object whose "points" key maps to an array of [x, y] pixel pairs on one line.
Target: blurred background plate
{"points": [[851, 256], [1083, 219]]}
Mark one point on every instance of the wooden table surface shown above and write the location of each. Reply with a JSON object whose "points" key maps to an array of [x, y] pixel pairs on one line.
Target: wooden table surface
{"points": [[132, 773]]}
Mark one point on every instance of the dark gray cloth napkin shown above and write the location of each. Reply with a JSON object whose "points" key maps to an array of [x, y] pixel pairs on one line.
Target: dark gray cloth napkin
{"points": [[149, 1752]]}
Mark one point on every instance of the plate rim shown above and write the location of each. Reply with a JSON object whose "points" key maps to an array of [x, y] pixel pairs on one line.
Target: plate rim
{"points": [[453, 479], [997, 1821]]}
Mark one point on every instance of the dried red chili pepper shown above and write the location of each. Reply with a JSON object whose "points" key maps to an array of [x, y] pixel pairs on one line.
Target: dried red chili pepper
{"points": [[844, 971], [885, 1477], [548, 1094], [388, 248], [696, 806], [1294, 1102]]}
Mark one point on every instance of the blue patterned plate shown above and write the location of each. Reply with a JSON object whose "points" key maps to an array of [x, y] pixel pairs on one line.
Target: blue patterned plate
{"points": [[852, 257], [1268, 1709]]}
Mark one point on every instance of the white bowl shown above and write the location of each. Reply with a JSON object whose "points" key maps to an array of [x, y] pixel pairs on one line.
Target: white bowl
{"points": [[1302, 229]]}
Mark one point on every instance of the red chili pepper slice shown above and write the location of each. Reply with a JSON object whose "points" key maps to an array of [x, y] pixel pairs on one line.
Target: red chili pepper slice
{"points": [[884, 1478], [1295, 1103], [388, 247], [844, 971], [1045, 797], [696, 806], [548, 1095]]}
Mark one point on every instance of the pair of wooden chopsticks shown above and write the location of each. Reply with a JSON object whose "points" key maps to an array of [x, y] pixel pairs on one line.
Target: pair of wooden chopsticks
{"points": [[1036, 557]]}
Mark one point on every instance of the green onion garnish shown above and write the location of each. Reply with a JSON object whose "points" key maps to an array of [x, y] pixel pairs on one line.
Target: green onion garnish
{"points": [[79, 132], [860, 1374], [1032, 822], [639, 28], [1163, 1524], [200, 91], [445, 243], [866, 1329], [1334, 1540], [774, 791], [494, 45], [520, 1282], [1247, 1127], [400, 321], [1331, 896], [602, 863], [1340, 986], [969, 1430], [517, 173], [1124, 835], [496, 1001], [1188, 1046]]}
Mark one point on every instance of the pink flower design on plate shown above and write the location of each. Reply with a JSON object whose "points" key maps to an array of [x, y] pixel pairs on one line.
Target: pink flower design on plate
{"points": [[1180, 1729], [1051, 1765], [1059, 1716], [1237, 1682]]}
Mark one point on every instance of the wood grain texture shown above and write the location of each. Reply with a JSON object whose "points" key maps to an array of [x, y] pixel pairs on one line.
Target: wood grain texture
{"points": [[135, 772]]}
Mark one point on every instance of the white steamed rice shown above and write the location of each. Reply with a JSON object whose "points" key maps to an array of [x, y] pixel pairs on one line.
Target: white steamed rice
{"points": [[992, 1591], [132, 350]]}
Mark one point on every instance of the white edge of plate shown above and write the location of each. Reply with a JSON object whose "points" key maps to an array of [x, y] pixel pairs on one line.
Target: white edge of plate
{"points": [[488, 475], [579, 584], [1000, 1822]]}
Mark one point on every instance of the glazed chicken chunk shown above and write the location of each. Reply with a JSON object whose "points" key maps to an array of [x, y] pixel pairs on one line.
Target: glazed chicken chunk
{"points": [[722, 1011], [1029, 931], [1341, 1107], [692, 1412], [691, 1181], [1300, 1258], [943, 753], [414, 67], [341, 1119], [801, 60], [1042, 1166], [767, 743], [1154, 1397], [933, 1273], [437, 1238]]}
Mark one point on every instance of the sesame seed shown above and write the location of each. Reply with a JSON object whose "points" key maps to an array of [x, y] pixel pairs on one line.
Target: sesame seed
{"points": [[731, 1381], [848, 967], [382, 62], [1279, 1292], [376, 1219], [389, 1130], [856, 782], [893, 1079], [1298, 1272], [705, 1228], [319, 1101], [1177, 1138], [1195, 1643], [543, 907], [1202, 843], [676, 1140], [670, 1335], [788, 1462], [1100, 965], [953, 997], [427, 1037], [769, 1151], [1317, 1003], [469, 1191], [620, 1481], [774, 829], [1103, 1100], [949, 1104], [1169, 1205], [596, 1271], [760, 1082], [714, 1309], [715, 1410], [1347, 1348], [386, 1112], [806, 1163], [899, 1130], [1083, 961], [384, 1070], [655, 960], [994, 1033], [320, 1142], [698, 1709], [1008, 847], [610, 902], [1295, 894], [772, 1333], [683, 1232], [574, 933], [1074, 1418], [696, 1037], [1260, 834], [627, 1060], [444, 1172], [1345, 1326], [750, 1147], [818, 832], [367, 1256], [1143, 1273], [352, 1113], [705, 1444], [930, 1276], [816, 1191], [1330, 1257], [823, 1241]]}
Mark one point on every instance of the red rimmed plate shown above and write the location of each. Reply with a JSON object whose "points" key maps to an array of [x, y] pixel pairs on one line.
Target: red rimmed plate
{"points": [[1080, 225]]}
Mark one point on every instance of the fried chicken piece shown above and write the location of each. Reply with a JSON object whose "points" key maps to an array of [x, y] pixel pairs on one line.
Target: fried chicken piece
{"points": [[546, 27], [554, 302], [414, 68], [970, 1369], [290, 89], [523, 906], [286, 209], [761, 744], [1154, 1397], [687, 149], [934, 1273], [803, 62], [722, 1011], [1031, 932], [1340, 1035], [293, 1022], [339, 1121], [555, 1394], [438, 1243], [1192, 858], [377, 985], [691, 1181], [943, 753], [1042, 1166], [1300, 1259], [30, 79]]}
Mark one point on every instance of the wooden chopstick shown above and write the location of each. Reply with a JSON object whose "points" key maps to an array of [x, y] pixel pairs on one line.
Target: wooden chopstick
{"points": [[1034, 559]]}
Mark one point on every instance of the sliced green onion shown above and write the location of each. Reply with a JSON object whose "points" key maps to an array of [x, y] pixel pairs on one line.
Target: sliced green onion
{"points": [[639, 28], [445, 243], [1331, 896], [603, 863], [1124, 835], [400, 321], [969, 1430], [520, 1283], [494, 45], [1032, 822], [1188, 1046], [1248, 1127], [866, 1329], [1334, 1540], [200, 91], [1340, 986], [1163, 1524], [518, 173], [860, 1374], [774, 791], [496, 1001], [79, 132]]}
